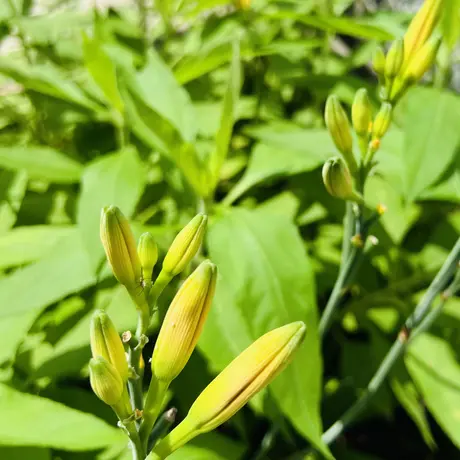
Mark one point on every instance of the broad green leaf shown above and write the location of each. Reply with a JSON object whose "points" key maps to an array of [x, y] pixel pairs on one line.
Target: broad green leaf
{"points": [[433, 366], [345, 25], [24, 453], [431, 138], [41, 163], [103, 71], [116, 179], [227, 117], [26, 292], [264, 284], [29, 420], [270, 159], [23, 245]]}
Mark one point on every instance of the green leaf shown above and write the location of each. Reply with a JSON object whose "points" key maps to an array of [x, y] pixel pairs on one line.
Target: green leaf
{"points": [[23, 245], [274, 158], [26, 292], [24, 453], [433, 366], [346, 26], [116, 179], [431, 138], [41, 163], [451, 22], [103, 71], [50, 424], [262, 285], [227, 117]]}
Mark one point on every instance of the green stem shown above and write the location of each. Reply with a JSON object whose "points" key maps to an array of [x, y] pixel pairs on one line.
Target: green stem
{"points": [[135, 441], [348, 230], [418, 319], [161, 282]]}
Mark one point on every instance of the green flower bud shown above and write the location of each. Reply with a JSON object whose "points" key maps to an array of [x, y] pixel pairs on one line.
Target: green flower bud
{"points": [[184, 322], [337, 180], [148, 255], [382, 121], [185, 245], [106, 342], [120, 247], [361, 113], [378, 61], [105, 381], [394, 59], [339, 128]]}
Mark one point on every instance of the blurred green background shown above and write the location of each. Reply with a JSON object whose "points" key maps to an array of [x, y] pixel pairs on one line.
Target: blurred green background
{"points": [[183, 106]]}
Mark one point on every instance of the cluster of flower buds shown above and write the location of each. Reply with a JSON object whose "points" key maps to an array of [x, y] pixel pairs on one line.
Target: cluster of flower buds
{"points": [[410, 57], [111, 369]]}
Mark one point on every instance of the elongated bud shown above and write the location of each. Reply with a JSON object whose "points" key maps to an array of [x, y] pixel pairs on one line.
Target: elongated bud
{"points": [[382, 121], [378, 61], [185, 245], [245, 376], [105, 381], [361, 113], [183, 322], [337, 180], [106, 342], [120, 246], [394, 59], [421, 28], [423, 60], [148, 255], [339, 128]]}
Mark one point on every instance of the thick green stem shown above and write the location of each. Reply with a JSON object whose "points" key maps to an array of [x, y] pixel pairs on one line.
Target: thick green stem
{"points": [[418, 319]]}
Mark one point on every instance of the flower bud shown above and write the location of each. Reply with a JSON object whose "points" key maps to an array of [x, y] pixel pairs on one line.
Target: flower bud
{"points": [[185, 245], [361, 113], [337, 180], [378, 61], [148, 255], [245, 376], [422, 61], [394, 59], [106, 342], [120, 246], [382, 121], [421, 28], [339, 128], [183, 322], [105, 381]]}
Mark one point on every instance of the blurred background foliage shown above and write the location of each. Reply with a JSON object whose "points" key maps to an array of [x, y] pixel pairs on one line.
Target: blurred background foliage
{"points": [[183, 106]]}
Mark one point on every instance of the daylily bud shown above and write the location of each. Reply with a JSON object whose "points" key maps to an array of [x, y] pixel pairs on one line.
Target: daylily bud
{"points": [[105, 381], [106, 342], [382, 121], [378, 61], [337, 180], [422, 61], [245, 376], [394, 59], [185, 245], [183, 322], [120, 246], [361, 113], [148, 255], [339, 128], [421, 28]]}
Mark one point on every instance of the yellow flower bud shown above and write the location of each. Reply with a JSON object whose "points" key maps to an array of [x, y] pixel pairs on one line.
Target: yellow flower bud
{"points": [[105, 381], [106, 342], [394, 59], [361, 112], [185, 245], [423, 60], [120, 246], [337, 180], [183, 322], [148, 256], [421, 28], [245, 376], [378, 61], [382, 121]]}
